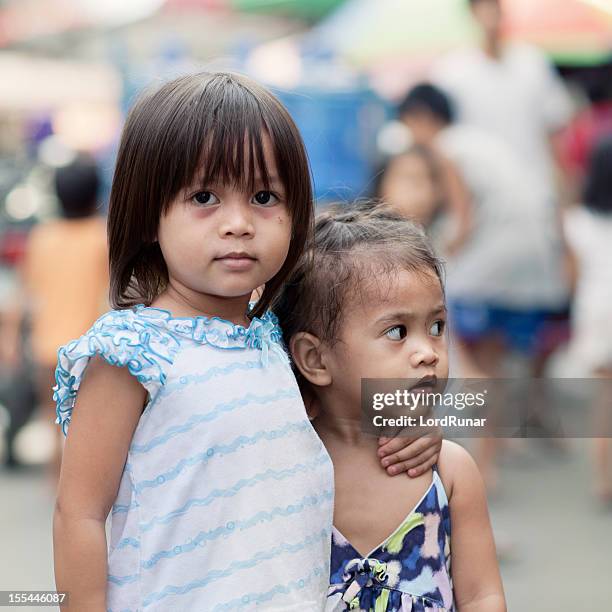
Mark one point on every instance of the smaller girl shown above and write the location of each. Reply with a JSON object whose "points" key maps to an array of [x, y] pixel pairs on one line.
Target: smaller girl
{"points": [[369, 303], [589, 232]]}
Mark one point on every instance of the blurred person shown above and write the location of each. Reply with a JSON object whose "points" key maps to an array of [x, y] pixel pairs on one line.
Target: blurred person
{"points": [[422, 185], [385, 318], [410, 183], [183, 417], [501, 290], [17, 381], [508, 88], [582, 134], [589, 230], [489, 272], [65, 273]]}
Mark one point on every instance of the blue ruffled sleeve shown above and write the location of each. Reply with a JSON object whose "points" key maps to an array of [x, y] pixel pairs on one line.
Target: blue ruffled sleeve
{"points": [[124, 339]]}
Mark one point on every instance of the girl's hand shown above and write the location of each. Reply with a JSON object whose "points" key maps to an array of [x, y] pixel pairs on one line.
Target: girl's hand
{"points": [[414, 455]]}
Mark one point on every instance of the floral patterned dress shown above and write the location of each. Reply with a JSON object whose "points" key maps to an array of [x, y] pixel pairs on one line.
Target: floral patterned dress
{"points": [[408, 572]]}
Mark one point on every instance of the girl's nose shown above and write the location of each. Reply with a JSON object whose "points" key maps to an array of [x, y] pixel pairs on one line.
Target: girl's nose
{"points": [[424, 354], [236, 220]]}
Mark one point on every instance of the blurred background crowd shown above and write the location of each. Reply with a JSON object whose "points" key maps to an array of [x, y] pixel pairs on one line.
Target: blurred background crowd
{"points": [[489, 121]]}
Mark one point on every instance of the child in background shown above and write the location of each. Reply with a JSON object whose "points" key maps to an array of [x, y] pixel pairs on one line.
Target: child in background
{"points": [[589, 232], [66, 274], [183, 416], [420, 184], [410, 183], [368, 302]]}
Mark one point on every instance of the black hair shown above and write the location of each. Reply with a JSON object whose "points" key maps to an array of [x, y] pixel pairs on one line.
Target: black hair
{"points": [[76, 186], [352, 244], [428, 98], [205, 126], [598, 185]]}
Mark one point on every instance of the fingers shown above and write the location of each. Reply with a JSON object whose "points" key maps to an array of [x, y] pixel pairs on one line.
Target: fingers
{"points": [[407, 437], [410, 452], [415, 466], [413, 444], [393, 445], [421, 469]]}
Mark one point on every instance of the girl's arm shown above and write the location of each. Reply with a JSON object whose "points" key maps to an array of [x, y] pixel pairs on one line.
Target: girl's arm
{"points": [[477, 584], [108, 406]]}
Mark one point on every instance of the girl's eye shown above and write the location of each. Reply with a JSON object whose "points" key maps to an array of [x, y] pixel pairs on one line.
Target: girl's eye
{"points": [[437, 329], [205, 198], [265, 198], [397, 333]]}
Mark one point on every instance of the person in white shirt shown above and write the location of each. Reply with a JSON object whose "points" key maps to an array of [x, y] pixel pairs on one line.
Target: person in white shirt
{"points": [[509, 89], [504, 284]]}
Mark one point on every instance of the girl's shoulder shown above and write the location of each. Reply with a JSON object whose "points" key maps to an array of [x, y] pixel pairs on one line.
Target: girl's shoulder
{"points": [[455, 465], [136, 338]]}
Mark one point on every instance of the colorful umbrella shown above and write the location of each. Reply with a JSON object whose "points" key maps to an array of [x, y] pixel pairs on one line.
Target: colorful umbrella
{"points": [[365, 33], [309, 10]]}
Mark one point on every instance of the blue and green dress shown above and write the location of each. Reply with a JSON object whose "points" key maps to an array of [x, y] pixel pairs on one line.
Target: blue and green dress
{"points": [[408, 572]]}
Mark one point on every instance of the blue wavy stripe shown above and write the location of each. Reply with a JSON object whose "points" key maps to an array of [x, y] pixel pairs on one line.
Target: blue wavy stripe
{"points": [[236, 566], [222, 450], [308, 501], [235, 488], [123, 580], [207, 375], [133, 542], [251, 599], [124, 508], [217, 411]]}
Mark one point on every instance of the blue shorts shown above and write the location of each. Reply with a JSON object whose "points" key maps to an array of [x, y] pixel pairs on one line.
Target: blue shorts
{"points": [[529, 331]]}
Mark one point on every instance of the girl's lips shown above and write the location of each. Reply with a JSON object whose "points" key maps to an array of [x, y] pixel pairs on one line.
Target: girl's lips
{"points": [[426, 384], [236, 262]]}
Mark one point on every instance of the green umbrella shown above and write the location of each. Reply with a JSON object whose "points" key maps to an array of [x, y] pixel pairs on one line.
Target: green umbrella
{"points": [[310, 10]]}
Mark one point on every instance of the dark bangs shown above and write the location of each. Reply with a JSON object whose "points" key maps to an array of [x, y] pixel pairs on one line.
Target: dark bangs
{"points": [[203, 128]]}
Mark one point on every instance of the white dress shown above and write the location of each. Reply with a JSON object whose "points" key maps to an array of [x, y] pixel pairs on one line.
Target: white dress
{"points": [[226, 498], [590, 236]]}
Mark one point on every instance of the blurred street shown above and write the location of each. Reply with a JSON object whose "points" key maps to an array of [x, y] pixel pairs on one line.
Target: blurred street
{"points": [[558, 538], [487, 122]]}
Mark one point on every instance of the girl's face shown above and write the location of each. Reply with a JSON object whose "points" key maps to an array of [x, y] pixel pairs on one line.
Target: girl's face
{"points": [[398, 332], [408, 187], [219, 240]]}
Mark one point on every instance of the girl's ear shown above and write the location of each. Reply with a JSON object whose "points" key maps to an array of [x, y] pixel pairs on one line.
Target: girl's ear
{"points": [[306, 351]]}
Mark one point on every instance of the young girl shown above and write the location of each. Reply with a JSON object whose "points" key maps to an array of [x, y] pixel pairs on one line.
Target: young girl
{"points": [[369, 303], [186, 422]]}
